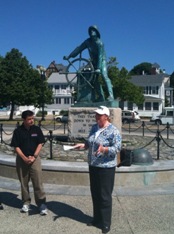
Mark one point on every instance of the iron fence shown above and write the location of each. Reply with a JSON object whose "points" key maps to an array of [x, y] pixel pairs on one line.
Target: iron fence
{"points": [[51, 127]]}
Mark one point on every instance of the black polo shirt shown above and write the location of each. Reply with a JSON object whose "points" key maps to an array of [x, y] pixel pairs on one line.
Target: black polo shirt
{"points": [[27, 139]]}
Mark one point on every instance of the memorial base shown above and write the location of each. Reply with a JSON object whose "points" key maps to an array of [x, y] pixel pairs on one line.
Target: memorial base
{"points": [[81, 120], [113, 103]]}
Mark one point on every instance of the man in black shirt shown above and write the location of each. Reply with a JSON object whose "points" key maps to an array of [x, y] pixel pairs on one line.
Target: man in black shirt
{"points": [[28, 140]]}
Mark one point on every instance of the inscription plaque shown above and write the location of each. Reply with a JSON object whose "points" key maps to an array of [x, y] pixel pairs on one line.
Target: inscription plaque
{"points": [[82, 119]]}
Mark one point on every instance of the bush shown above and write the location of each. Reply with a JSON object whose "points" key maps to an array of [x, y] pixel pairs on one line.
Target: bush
{"points": [[63, 112], [39, 113]]}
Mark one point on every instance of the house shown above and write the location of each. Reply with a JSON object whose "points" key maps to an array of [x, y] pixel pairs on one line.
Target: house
{"points": [[53, 67], [156, 89], [62, 90], [62, 93]]}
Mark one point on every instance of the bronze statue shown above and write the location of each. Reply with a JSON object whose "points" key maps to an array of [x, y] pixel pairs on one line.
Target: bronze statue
{"points": [[97, 54]]}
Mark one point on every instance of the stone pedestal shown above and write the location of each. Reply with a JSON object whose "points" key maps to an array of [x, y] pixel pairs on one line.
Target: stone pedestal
{"points": [[81, 120], [113, 103]]}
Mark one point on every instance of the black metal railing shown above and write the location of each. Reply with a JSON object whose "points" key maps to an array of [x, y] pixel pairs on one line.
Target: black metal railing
{"points": [[143, 128]]}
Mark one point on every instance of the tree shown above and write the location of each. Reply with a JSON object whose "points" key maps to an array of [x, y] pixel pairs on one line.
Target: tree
{"points": [[141, 68], [1, 58], [122, 86], [20, 84]]}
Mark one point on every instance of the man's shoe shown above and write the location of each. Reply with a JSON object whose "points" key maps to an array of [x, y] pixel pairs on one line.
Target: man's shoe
{"points": [[25, 208], [1, 207], [43, 210], [105, 229]]}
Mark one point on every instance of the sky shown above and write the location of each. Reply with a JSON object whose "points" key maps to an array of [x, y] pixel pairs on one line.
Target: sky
{"points": [[133, 31]]}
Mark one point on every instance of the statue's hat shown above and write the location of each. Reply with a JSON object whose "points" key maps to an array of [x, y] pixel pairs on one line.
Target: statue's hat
{"points": [[94, 27]]}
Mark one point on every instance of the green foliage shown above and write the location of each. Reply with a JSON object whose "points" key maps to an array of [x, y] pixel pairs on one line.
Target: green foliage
{"points": [[39, 113], [63, 112], [20, 84], [166, 102], [140, 68], [123, 89]]}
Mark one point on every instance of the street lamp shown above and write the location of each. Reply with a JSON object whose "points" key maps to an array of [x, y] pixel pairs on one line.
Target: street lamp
{"points": [[42, 71]]}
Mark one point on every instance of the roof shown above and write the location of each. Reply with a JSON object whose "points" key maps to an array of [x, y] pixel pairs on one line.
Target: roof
{"points": [[156, 65], [142, 80], [152, 98], [57, 78], [60, 67]]}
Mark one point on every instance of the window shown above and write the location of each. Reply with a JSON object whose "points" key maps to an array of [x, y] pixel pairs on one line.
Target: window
{"points": [[169, 113], [147, 105], [153, 90], [57, 86], [66, 100], [150, 89], [63, 86], [126, 113], [140, 107], [121, 105], [146, 90], [130, 106], [58, 100], [72, 100], [156, 89], [155, 106]]}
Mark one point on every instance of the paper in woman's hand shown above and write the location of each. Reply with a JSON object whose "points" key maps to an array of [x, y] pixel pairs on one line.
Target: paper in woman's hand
{"points": [[68, 147]]}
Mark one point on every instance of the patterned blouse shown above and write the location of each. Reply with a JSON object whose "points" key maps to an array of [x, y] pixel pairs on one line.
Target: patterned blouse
{"points": [[108, 137]]}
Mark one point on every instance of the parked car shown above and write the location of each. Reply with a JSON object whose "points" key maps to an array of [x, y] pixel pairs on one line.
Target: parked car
{"points": [[130, 116], [167, 116], [62, 118]]}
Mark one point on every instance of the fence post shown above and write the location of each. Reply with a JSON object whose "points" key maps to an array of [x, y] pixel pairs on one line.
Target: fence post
{"points": [[54, 120], [168, 126], [54, 124], [40, 123], [17, 124], [143, 124], [129, 127], [1, 129], [158, 139], [64, 128], [51, 143]]}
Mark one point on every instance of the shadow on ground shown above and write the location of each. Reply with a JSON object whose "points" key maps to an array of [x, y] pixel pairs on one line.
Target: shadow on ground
{"points": [[63, 210], [58, 208]]}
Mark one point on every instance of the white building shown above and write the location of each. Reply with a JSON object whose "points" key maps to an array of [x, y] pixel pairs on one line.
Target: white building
{"points": [[156, 89], [62, 93]]}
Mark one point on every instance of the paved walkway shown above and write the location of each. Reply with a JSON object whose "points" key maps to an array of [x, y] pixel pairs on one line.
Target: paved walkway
{"points": [[142, 210], [135, 210]]}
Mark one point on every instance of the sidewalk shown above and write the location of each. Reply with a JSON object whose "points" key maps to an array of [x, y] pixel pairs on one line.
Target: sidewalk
{"points": [[135, 211]]}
